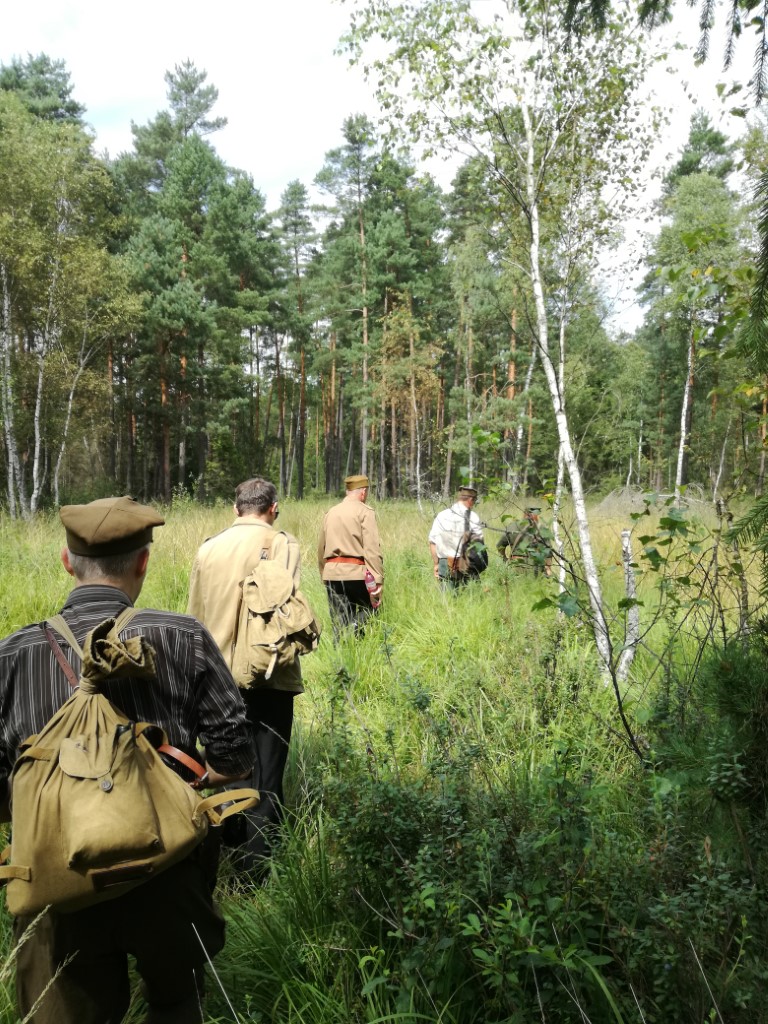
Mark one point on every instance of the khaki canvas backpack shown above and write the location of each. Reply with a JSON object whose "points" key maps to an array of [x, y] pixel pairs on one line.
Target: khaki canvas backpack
{"points": [[95, 811], [275, 623]]}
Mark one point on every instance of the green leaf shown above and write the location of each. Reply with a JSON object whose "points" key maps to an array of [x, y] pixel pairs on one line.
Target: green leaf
{"points": [[653, 557], [568, 605]]}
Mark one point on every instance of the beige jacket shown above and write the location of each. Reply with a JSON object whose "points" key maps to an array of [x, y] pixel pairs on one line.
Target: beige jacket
{"points": [[214, 592], [350, 530]]}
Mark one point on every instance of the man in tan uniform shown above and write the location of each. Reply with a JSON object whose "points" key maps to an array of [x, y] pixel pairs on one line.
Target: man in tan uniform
{"points": [[349, 554], [222, 562]]}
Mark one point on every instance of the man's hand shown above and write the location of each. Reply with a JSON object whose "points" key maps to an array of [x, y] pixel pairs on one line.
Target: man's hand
{"points": [[214, 780]]}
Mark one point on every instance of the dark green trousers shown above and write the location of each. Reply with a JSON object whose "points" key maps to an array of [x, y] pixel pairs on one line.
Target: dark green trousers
{"points": [[76, 964]]}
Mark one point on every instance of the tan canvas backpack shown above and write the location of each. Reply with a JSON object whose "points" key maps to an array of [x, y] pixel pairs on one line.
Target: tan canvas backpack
{"points": [[95, 810], [275, 624]]}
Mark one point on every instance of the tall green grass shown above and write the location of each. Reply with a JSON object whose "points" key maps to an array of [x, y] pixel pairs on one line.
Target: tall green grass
{"points": [[469, 838]]}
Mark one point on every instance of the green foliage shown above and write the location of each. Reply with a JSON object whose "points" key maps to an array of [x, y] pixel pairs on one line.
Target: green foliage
{"points": [[469, 839], [43, 86]]}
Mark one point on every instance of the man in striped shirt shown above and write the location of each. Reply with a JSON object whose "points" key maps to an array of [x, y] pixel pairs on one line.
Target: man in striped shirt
{"points": [[166, 922]]}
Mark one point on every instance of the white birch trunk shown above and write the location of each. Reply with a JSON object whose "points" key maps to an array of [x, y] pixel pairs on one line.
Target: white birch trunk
{"points": [[37, 462], [599, 624], [687, 397], [633, 612], [82, 362], [556, 507], [6, 396], [515, 482]]}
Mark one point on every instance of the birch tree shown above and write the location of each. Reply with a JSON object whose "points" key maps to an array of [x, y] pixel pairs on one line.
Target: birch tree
{"points": [[60, 296], [558, 125]]}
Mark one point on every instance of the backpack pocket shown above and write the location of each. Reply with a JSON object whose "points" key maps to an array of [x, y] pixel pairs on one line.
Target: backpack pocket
{"points": [[113, 818]]}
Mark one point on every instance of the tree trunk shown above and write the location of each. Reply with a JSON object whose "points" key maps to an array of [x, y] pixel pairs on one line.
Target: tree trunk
{"points": [[515, 476], [82, 362], [7, 397], [599, 624], [301, 432], [685, 416], [761, 473], [364, 282], [632, 637], [37, 464]]}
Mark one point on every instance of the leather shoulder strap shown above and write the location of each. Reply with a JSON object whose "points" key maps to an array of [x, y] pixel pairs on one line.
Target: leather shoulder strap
{"points": [[59, 623], [66, 668]]}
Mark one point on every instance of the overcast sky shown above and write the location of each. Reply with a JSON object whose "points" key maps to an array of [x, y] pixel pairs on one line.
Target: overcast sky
{"points": [[280, 85]]}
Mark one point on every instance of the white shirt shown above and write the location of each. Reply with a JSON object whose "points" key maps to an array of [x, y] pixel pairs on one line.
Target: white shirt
{"points": [[448, 529]]}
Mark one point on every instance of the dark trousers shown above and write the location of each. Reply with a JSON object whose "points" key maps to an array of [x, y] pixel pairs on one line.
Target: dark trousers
{"points": [[349, 603], [167, 924], [270, 714]]}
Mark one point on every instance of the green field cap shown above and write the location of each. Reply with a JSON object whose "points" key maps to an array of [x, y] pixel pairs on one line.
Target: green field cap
{"points": [[108, 526]]}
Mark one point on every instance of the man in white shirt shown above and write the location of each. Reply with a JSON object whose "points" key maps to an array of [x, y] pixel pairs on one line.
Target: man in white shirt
{"points": [[452, 533]]}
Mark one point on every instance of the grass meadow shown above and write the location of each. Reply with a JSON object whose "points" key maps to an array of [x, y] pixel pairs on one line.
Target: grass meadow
{"points": [[470, 839]]}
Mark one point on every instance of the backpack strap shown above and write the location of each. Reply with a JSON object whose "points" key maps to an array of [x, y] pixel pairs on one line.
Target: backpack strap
{"points": [[59, 623], [266, 548], [66, 668], [264, 555], [226, 802]]}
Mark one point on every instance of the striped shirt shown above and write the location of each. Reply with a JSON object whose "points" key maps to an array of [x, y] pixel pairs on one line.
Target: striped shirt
{"points": [[194, 697]]}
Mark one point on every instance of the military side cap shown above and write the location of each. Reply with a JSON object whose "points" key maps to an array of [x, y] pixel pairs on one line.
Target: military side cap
{"points": [[468, 492], [109, 526], [353, 482]]}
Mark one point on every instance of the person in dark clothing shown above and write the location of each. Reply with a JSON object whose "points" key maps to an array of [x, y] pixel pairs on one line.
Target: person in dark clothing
{"points": [[526, 543], [76, 964]]}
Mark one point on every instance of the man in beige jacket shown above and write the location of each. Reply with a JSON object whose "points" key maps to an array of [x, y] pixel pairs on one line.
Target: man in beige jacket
{"points": [[349, 557], [222, 562]]}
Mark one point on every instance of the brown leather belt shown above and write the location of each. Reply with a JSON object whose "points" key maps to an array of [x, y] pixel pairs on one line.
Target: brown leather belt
{"points": [[344, 558], [201, 775]]}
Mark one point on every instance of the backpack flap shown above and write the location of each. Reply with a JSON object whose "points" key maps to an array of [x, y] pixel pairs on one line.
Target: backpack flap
{"points": [[95, 810], [113, 817], [268, 587]]}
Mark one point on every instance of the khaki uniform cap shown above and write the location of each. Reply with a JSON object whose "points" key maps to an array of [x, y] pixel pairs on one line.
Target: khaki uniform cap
{"points": [[470, 492], [352, 483], [109, 526]]}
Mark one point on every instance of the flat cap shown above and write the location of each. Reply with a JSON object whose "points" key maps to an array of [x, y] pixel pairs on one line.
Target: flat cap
{"points": [[468, 492], [353, 482], [108, 526]]}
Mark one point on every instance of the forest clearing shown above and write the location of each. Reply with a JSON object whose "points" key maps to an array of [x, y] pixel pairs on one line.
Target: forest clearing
{"points": [[541, 798], [471, 837]]}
